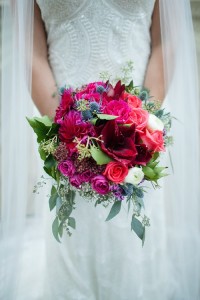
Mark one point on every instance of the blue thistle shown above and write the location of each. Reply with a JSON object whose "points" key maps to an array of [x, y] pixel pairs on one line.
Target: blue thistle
{"points": [[86, 114], [144, 95], [138, 192], [61, 90], [94, 107], [127, 189], [100, 89]]}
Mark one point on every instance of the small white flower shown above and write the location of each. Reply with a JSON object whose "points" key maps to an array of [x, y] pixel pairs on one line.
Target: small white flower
{"points": [[135, 176], [154, 123]]}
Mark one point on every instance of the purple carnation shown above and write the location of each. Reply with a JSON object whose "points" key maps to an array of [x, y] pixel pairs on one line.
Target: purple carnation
{"points": [[100, 184]]}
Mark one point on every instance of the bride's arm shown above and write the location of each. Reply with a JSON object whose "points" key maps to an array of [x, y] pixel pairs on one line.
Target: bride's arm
{"points": [[154, 79], [44, 91]]}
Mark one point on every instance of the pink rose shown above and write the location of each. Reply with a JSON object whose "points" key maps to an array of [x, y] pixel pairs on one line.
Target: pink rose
{"points": [[116, 171], [118, 108], [132, 100], [100, 184], [153, 140], [75, 181], [86, 176], [66, 168], [139, 117], [90, 91]]}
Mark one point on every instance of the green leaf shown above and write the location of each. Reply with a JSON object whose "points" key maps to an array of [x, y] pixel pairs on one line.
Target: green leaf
{"points": [[158, 170], [155, 156], [106, 117], [50, 162], [50, 167], [115, 209], [42, 153], [44, 120], [55, 229], [72, 222], [99, 156], [53, 197], [138, 228], [53, 130], [148, 172], [40, 126], [93, 121], [130, 86]]}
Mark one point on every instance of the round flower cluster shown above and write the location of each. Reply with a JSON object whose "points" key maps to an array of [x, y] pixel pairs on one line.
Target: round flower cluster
{"points": [[109, 137]]}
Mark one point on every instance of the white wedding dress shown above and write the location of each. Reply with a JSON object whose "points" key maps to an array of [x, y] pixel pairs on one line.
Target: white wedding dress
{"points": [[105, 260]]}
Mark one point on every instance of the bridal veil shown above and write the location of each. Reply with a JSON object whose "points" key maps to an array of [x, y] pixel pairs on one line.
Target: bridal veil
{"points": [[182, 197]]}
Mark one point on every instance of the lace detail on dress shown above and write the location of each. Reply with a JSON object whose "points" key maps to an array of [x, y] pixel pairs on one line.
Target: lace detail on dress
{"points": [[88, 37]]}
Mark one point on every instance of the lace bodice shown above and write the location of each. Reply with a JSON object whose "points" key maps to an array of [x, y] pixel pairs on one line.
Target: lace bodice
{"points": [[86, 37]]}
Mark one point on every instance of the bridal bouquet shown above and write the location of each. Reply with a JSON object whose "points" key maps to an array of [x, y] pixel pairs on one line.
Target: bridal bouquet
{"points": [[104, 143]]}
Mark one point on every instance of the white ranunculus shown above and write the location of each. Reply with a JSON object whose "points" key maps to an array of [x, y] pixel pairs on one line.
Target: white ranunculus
{"points": [[135, 176], [154, 123]]}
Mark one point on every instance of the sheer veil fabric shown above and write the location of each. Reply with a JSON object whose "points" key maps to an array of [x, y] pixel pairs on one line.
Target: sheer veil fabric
{"points": [[182, 232]]}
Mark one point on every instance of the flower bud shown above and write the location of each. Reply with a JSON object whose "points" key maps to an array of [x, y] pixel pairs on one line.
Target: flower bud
{"points": [[154, 123], [135, 176]]}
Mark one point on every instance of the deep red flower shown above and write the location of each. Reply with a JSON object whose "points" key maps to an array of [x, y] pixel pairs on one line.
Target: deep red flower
{"points": [[118, 141], [115, 92], [65, 105], [143, 155]]}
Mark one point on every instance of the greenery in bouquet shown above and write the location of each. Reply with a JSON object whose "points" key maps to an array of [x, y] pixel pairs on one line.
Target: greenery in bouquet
{"points": [[104, 143]]}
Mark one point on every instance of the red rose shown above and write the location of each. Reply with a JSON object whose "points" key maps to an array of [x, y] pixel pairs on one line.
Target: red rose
{"points": [[116, 171], [132, 100], [118, 141], [118, 108], [153, 140], [139, 117]]}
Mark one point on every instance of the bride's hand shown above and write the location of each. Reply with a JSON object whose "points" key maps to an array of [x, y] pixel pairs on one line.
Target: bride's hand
{"points": [[44, 90]]}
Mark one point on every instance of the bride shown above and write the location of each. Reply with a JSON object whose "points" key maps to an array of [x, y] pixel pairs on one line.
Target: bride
{"points": [[74, 41]]}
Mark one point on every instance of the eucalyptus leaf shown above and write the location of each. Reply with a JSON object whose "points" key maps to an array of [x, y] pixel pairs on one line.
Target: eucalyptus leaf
{"points": [[106, 117], [55, 229], [99, 156], [137, 227], [72, 222], [115, 209], [71, 196], [53, 197], [143, 239], [58, 204], [60, 229]]}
